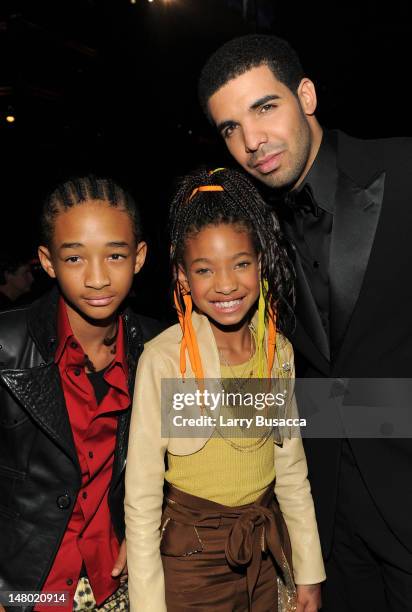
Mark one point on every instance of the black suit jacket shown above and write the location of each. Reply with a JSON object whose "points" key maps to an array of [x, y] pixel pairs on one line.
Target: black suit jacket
{"points": [[370, 319]]}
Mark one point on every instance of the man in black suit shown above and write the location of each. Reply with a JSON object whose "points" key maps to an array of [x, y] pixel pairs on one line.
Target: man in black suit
{"points": [[347, 210]]}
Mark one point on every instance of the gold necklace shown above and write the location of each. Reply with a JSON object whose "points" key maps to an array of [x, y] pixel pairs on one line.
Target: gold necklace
{"points": [[237, 386], [241, 380], [254, 446]]}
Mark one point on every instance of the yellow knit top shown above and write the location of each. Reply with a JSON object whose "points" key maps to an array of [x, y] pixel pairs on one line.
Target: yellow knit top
{"points": [[221, 471]]}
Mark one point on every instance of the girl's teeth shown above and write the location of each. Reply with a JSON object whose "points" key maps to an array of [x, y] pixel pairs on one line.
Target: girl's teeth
{"points": [[227, 304]]}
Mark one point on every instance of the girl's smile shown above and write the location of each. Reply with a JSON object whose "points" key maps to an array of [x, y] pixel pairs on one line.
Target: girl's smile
{"points": [[228, 305]]}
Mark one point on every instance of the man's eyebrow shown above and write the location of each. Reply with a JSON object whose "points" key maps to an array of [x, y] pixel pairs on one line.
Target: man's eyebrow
{"points": [[263, 100], [225, 124], [230, 123]]}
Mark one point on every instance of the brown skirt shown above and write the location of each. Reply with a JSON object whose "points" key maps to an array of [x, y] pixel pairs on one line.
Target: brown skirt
{"points": [[223, 558]]}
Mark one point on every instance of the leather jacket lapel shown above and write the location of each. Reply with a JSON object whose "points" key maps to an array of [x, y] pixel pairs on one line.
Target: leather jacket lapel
{"points": [[40, 392], [38, 388], [356, 218]]}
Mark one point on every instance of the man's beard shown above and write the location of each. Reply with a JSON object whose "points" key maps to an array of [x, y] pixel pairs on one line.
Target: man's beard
{"points": [[285, 179]]}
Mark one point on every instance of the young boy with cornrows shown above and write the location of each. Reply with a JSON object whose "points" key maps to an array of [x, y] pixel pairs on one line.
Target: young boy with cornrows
{"points": [[67, 369]]}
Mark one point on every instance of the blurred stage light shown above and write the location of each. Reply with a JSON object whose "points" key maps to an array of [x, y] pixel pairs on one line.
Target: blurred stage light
{"points": [[10, 118]]}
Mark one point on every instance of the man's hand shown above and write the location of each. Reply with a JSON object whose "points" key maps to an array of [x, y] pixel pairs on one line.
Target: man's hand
{"points": [[309, 598], [120, 567], [2, 609]]}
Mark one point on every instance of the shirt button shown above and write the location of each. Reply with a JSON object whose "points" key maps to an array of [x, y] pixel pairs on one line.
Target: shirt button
{"points": [[74, 345], [91, 454], [69, 582], [316, 264], [77, 372], [84, 495]]}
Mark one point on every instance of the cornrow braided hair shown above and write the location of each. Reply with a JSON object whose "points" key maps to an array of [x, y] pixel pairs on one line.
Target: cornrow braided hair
{"points": [[78, 190], [239, 203]]}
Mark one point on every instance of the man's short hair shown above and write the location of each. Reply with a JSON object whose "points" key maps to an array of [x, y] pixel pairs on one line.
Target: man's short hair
{"points": [[239, 55]]}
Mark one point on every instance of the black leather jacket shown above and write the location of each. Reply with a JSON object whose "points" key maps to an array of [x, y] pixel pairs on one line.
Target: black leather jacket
{"points": [[39, 470]]}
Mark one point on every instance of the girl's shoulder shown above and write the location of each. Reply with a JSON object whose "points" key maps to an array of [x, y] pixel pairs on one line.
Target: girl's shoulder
{"points": [[161, 354], [284, 358], [283, 343], [167, 342]]}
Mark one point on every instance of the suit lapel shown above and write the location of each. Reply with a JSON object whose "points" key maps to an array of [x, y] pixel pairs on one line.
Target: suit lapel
{"points": [[357, 213]]}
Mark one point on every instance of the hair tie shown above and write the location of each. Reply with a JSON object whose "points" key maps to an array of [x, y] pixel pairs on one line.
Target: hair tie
{"points": [[215, 170], [205, 188]]}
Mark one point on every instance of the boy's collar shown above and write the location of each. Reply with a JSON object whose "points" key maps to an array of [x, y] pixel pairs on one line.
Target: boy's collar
{"points": [[42, 324]]}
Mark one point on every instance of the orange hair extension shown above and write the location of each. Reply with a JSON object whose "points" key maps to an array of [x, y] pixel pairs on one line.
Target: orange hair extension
{"points": [[205, 188], [189, 340]]}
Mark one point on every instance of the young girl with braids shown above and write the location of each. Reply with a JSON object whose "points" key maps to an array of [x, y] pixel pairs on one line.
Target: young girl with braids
{"points": [[220, 525]]}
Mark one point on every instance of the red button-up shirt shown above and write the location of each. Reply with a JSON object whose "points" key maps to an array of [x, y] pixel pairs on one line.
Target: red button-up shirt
{"points": [[89, 537]]}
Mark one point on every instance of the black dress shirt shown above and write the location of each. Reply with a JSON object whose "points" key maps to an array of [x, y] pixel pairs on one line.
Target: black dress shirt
{"points": [[310, 227]]}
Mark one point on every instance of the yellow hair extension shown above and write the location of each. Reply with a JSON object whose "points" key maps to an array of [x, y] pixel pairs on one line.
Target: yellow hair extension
{"points": [[265, 364]]}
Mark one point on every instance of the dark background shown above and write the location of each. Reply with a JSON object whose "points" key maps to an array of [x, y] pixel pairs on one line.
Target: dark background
{"points": [[109, 86]]}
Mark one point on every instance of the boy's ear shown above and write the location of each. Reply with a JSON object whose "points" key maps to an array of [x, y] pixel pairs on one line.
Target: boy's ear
{"points": [[46, 261], [182, 279], [141, 251]]}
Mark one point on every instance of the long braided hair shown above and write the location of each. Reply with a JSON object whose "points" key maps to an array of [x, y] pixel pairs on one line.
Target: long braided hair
{"points": [[237, 203], [78, 190]]}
